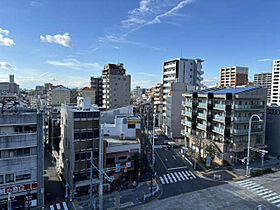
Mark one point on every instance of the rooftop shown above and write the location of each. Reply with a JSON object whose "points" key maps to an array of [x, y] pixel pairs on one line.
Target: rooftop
{"points": [[230, 90]]}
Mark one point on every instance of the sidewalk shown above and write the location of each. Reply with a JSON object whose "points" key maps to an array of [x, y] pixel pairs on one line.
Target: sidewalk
{"points": [[128, 198]]}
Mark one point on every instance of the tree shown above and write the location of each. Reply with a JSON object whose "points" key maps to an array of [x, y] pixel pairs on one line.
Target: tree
{"points": [[210, 151]]}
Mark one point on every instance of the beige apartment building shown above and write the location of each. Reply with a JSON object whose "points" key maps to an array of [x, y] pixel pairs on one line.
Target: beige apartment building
{"points": [[264, 80], [233, 76], [88, 92], [220, 118], [58, 95], [116, 86]]}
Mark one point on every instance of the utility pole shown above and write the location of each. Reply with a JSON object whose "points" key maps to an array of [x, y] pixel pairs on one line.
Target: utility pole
{"points": [[9, 202], [153, 154], [91, 173], [101, 145]]}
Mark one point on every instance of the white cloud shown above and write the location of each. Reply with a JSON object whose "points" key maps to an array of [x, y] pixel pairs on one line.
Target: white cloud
{"points": [[4, 40], [35, 4], [74, 64], [5, 65], [265, 60], [210, 80], [62, 39]]}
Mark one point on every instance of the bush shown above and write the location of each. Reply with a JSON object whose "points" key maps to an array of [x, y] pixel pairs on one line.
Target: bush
{"points": [[259, 172], [267, 170]]}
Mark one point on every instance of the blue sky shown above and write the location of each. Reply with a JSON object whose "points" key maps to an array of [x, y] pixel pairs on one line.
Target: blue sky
{"points": [[67, 41]]}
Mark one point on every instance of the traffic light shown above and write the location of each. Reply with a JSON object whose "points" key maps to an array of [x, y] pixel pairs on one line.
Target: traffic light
{"points": [[109, 187], [125, 170]]}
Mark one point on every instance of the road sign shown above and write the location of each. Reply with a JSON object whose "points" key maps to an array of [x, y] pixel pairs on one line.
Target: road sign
{"points": [[128, 164], [208, 161], [157, 146], [118, 169]]}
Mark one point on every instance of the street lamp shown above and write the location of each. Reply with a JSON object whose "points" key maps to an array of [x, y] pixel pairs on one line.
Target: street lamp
{"points": [[249, 141]]}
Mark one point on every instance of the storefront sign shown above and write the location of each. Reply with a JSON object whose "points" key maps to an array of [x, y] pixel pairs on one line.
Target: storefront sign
{"points": [[17, 188], [133, 121]]}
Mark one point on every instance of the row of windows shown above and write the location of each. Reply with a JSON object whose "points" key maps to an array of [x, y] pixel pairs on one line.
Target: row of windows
{"points": [[86, 155], [86, 135], [14, 153], [11, 178], [86, 114]]}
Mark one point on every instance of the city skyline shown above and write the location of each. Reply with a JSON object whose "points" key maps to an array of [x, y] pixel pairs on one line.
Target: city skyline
{"points": [[39, 46]]}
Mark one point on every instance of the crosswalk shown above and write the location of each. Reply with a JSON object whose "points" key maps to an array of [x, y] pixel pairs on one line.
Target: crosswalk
{"points": [[177, 176], [59, 206], [261, 191]]}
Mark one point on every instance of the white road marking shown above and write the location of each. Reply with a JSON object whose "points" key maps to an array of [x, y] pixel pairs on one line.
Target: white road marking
{"points": [[265, 192], [245, 183], [257, 192], [185, 175], [58, 206], [165, 178], [51, 207], [273, 198], [169, 177], [192, 174], [277, 201], [64, 206], [169, 169], [278, 205], [254, 186], [256, 189], [248, 185], [182, 177], [177, 176], [189, 175], [161, 179], [269, 195], [242, 181], [172, 175]]}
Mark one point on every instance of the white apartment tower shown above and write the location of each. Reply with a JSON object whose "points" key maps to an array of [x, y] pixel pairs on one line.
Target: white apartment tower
{"points": [[264, 80], [275, 87], [188, 71], [116, 86]]}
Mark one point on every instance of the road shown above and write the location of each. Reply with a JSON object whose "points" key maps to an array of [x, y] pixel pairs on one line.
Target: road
{"points": [[175, 174]]}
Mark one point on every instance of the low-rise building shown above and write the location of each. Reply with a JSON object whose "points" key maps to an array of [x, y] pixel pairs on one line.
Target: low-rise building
{"points": [[219, 118], [58, 95]]}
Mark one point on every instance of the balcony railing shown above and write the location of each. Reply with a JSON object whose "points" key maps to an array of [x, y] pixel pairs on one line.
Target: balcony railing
{"points": [[189, 114], [202, 115], [188, 103], [220, 130], [220, 118], [202, 126], [202, 104], [220, 106], [186, 122], [241, 119], [239, 131], [249, 106]]}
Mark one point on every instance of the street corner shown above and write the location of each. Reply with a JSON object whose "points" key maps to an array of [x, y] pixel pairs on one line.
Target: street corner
{"points": [[220, 175]]}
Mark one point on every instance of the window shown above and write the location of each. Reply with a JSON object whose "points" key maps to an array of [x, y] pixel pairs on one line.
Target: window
{"points": [[77, 156], [26, 151], [9, 178], [83, 156], [190, 69], [190, 76], [1, 179], [23, 177], [131, 126]]}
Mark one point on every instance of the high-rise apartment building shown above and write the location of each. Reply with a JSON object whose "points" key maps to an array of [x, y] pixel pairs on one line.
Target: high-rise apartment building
{"points": [[188, 71], [96, 85], [219, 118], [275, 87], [264, 80], [21, 159], [79, 136], [234, 76], [116, 86]]}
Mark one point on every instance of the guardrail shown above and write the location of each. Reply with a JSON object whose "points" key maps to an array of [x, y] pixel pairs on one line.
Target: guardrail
{"points": [[151, 194]]}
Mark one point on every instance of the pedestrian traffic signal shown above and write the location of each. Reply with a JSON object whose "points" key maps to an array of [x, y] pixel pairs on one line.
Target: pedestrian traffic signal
{"points": [[109, 187], [125, 170]]}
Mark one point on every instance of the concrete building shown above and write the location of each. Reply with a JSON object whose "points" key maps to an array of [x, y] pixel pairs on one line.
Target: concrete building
{"points": [[79, 136], [234, 76], [58, 95], [219, 118], [40, 90], [21, 159], [116, 86], [264, 80], [88, 93], [9, 87], [172, 118], [96, 85], [188, 71], [272, 130], [275, 87]]}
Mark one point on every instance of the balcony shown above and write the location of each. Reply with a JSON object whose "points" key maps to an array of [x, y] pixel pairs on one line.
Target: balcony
{"points": [[201, 115], [242, 107], [189, 114], [219, 130], [202, 126], [186, 122], [241, 119], [220, 106], [188, 103], [240, 132], [219, 118], [204, 105]]}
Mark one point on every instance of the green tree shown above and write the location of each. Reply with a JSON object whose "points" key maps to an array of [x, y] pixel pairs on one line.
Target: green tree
{"points": [[210, 151]]}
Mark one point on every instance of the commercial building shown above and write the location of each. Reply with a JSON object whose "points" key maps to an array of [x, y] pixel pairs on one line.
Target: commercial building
{"points": [[219, 118], [89, 93], [96, 85], [234, 76], [9, 87], [21, 159], [79, 136], [272, 130], [264, 80], [275, 87], [172, 123], [116, 86]]}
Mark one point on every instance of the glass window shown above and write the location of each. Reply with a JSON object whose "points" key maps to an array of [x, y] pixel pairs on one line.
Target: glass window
{"points": [[26, 151], [9, 178], [23, 177], [83, 156], [131, 125], [95, 134], [1, 179], [77, 156]]}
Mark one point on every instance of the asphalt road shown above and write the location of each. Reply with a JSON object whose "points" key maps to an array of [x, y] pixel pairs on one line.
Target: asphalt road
{"points": [[169, 164]]}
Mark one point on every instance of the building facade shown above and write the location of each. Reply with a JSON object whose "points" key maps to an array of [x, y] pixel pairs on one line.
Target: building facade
{"points": [[233, 76], [79, 136], [275, 87], [272, 130], [116, 86], [9, 87], [219, 118], [264, 80], [58, 95], [21, 159], [96, 85], [88, 92]]}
